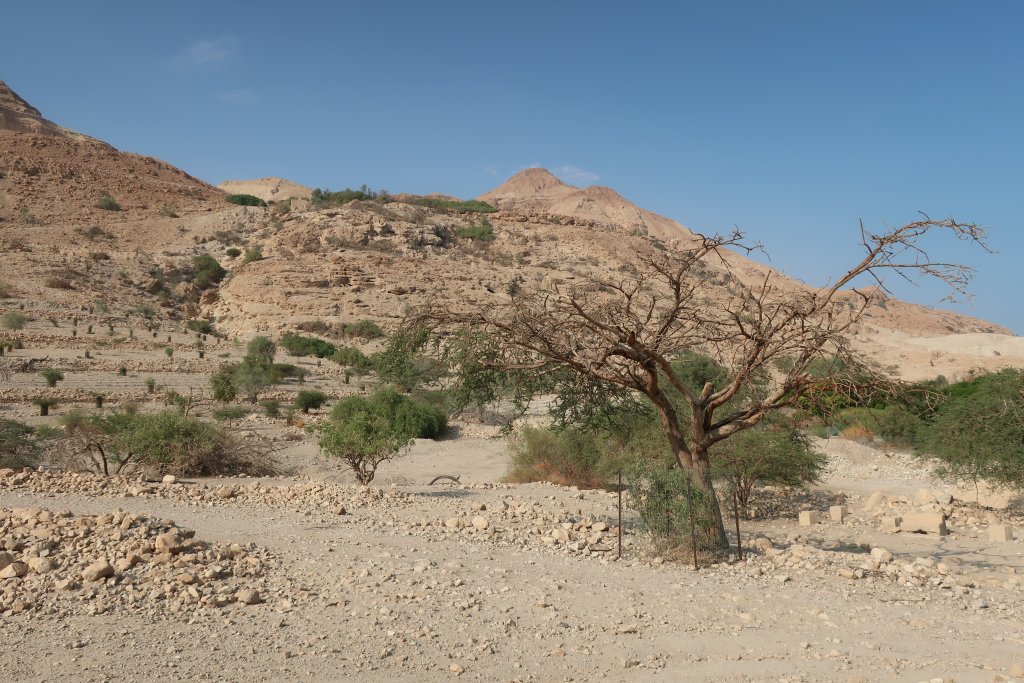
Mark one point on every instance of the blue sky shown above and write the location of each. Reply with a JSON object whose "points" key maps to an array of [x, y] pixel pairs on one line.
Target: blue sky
{"points": [[789, 120]]}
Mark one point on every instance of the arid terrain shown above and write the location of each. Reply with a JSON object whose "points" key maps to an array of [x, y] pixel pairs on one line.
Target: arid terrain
{"points": [[308, 577]]}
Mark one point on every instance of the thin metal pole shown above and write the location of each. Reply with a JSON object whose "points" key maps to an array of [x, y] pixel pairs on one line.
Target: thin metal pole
{"points": [[620, 514], [693, 531], [736, 516]]}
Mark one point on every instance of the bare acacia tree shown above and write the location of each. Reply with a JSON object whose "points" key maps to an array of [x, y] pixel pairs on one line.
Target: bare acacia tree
{"points": [[627, 330]]}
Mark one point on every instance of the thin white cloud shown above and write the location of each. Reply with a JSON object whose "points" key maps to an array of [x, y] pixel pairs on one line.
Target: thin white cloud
{"points": [[209, 53], [575, 175], [239, 96]]}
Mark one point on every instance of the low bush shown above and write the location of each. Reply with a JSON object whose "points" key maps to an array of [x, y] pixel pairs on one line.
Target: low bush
{"points": [[227, 413], [352, 357], [478, 232], [168, 442], [206, 271], [14, 320], [18, 447], [310, 400], [362, 329], [469, 206], [297, 345], [52, 376], [244, 200], [108, 203], [200, 325], [568, 457]]}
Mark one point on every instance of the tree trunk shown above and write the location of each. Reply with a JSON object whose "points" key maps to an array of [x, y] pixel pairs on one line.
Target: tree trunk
{"points": [[700, 475]]}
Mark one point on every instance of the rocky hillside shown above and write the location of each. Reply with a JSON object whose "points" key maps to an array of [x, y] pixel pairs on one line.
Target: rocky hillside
{"points": [[363, 259], [51, 175]]}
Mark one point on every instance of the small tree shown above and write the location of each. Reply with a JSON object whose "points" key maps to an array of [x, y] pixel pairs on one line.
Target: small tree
{"points": [[52, 376], [773, 453], [310, 400], [44, 405], [260, 352], [621, 333], [150, 385], [251, 380], [365, 432]]}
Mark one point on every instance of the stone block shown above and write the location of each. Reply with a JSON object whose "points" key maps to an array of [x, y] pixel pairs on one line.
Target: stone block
{"points": [[874, 500], [808, 518], [892, 524], [1000, 532], [924, 522], [838, 513]]}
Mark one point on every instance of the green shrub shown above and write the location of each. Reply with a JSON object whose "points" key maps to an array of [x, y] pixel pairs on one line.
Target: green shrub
{"points": [[233, 252], [200, 325], [271, 407], [108, 203], [226, 413], [470, 206], [297, 345], [408, 416], [481, 232], [260, 351], [222, 383], [18, 448], [773, 453], [351, 357], [244, 200], [206, 271], [251, 380], [321, 198], [171, 442], [310, 400], [671, 507], [569, 457], [52, 376], [14, 320], [254, 253], [362, 329], [978, 433]]}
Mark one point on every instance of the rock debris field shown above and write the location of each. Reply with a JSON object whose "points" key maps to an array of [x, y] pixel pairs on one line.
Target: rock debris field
{"points": [[120, 579]]}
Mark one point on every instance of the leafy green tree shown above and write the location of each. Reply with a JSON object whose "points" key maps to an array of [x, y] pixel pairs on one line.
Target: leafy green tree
{"points": [[260, 352], [978, 434]]}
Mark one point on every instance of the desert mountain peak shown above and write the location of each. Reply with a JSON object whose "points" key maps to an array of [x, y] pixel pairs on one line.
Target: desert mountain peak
{"points": [[19, 116], [537, 190]]}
